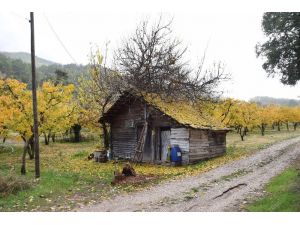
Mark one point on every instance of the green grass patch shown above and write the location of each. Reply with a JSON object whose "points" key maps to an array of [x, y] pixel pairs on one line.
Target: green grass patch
{"points": [[283, 194], [40, 192], [80, 154]]}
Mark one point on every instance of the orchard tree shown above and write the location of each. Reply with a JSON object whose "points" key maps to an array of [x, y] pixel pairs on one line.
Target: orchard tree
{"points": [[295, 116], [19, 118], [265, 116], [6, 110], [55, 111], [244, 117], [279, 116], [282, 49], [223, 110], [97, 92]]}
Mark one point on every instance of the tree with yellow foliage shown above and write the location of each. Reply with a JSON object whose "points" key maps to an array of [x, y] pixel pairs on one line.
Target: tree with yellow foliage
{"points": [[223, 110], [97, 92], [244, 117], [56, 111], [56, 108], [265, 116]]}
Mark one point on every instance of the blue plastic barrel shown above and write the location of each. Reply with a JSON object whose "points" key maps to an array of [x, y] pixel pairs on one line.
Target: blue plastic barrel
{"points": [[176, 155]]}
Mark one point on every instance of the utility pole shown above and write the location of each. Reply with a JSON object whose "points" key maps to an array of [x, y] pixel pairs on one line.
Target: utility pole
{"points": [[34, 102]]}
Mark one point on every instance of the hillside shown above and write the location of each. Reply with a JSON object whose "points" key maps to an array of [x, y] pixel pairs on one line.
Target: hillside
{"points": [[26, 58], [20, 70], [264, 100]]}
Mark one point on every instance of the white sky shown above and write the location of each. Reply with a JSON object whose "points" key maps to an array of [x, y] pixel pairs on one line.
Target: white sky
{"points": [[230, 35]]}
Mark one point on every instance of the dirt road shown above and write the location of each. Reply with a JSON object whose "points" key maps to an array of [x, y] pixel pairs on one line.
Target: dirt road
{"points": [[225, 188]]}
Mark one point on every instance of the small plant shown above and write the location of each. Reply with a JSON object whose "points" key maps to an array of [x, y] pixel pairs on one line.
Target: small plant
{"points": [[80, 154]]}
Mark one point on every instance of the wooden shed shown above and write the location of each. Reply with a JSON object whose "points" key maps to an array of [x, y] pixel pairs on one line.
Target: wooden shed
{"points": [[169, 123]]}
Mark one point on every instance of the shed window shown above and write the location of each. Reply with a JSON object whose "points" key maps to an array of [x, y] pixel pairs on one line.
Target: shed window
{"points": [[129, 123], [220, 138]]}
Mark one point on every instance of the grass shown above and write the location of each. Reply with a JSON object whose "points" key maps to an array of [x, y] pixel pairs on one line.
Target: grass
{"points": [[69, 180], [283, 194]]}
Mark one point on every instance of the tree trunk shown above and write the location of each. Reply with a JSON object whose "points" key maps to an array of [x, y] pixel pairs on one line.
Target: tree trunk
{"points": [[76, 129], [242, 136], [295, 126], [46, 139], [30, 148], [278, 126], [246, 130], [25, 150], [287, 126], [4, 139], [105, 135], [53, 138], [242, 133], [262, 129]]}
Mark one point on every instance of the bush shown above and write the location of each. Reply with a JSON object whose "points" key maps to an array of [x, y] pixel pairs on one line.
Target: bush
{"points": [[11, 184]]}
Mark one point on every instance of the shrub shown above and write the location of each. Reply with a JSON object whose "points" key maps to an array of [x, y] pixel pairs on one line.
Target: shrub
{"points": [[11, 184]]}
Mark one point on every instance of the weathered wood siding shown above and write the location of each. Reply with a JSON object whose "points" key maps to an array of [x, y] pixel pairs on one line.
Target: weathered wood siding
{"points": [[217, 143], [180, 137], [128, 118], [206, 144], [123, 137]]}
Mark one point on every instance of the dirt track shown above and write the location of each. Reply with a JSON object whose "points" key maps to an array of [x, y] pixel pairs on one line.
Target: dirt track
{"points": [[225, 188]]}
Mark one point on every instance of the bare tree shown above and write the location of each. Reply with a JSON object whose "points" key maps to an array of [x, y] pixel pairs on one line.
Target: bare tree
{"points": [[152, 61]]}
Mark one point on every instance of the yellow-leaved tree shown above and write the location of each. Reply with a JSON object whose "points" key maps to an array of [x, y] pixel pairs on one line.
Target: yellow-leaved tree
{"points": [[55, 111], [97, 92], [295, 114], [244, 117], [265, 117]]}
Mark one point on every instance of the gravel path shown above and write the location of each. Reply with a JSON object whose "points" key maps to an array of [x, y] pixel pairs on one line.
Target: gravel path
{"points": [[225, 188]]}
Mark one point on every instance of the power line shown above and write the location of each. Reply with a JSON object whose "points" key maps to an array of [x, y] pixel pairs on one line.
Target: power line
{"points": [[19, 16], [59, 40]]}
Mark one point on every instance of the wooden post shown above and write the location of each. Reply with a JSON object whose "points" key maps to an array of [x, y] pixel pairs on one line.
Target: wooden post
{"points": [[153, 144], [34, 101]]}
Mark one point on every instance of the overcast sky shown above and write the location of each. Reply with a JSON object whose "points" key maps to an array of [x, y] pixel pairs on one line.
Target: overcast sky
{"points": [[229, 37]]}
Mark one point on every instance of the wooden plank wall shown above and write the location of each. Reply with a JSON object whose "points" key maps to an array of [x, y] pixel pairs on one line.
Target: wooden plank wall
{"points": [[206, 144], [195, 144], [180, 137], [217, 143], [124, 138]]}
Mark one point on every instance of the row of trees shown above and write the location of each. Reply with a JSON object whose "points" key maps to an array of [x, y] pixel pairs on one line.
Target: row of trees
{"points": [[244, 116], [58, 112]]}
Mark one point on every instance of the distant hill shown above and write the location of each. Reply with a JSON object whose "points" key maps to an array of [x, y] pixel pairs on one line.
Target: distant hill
{"points": [[264, 100], [26, 58], [20, 70]]}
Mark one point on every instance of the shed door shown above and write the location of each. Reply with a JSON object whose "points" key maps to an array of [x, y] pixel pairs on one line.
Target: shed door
{"points": [[165, 135]]}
